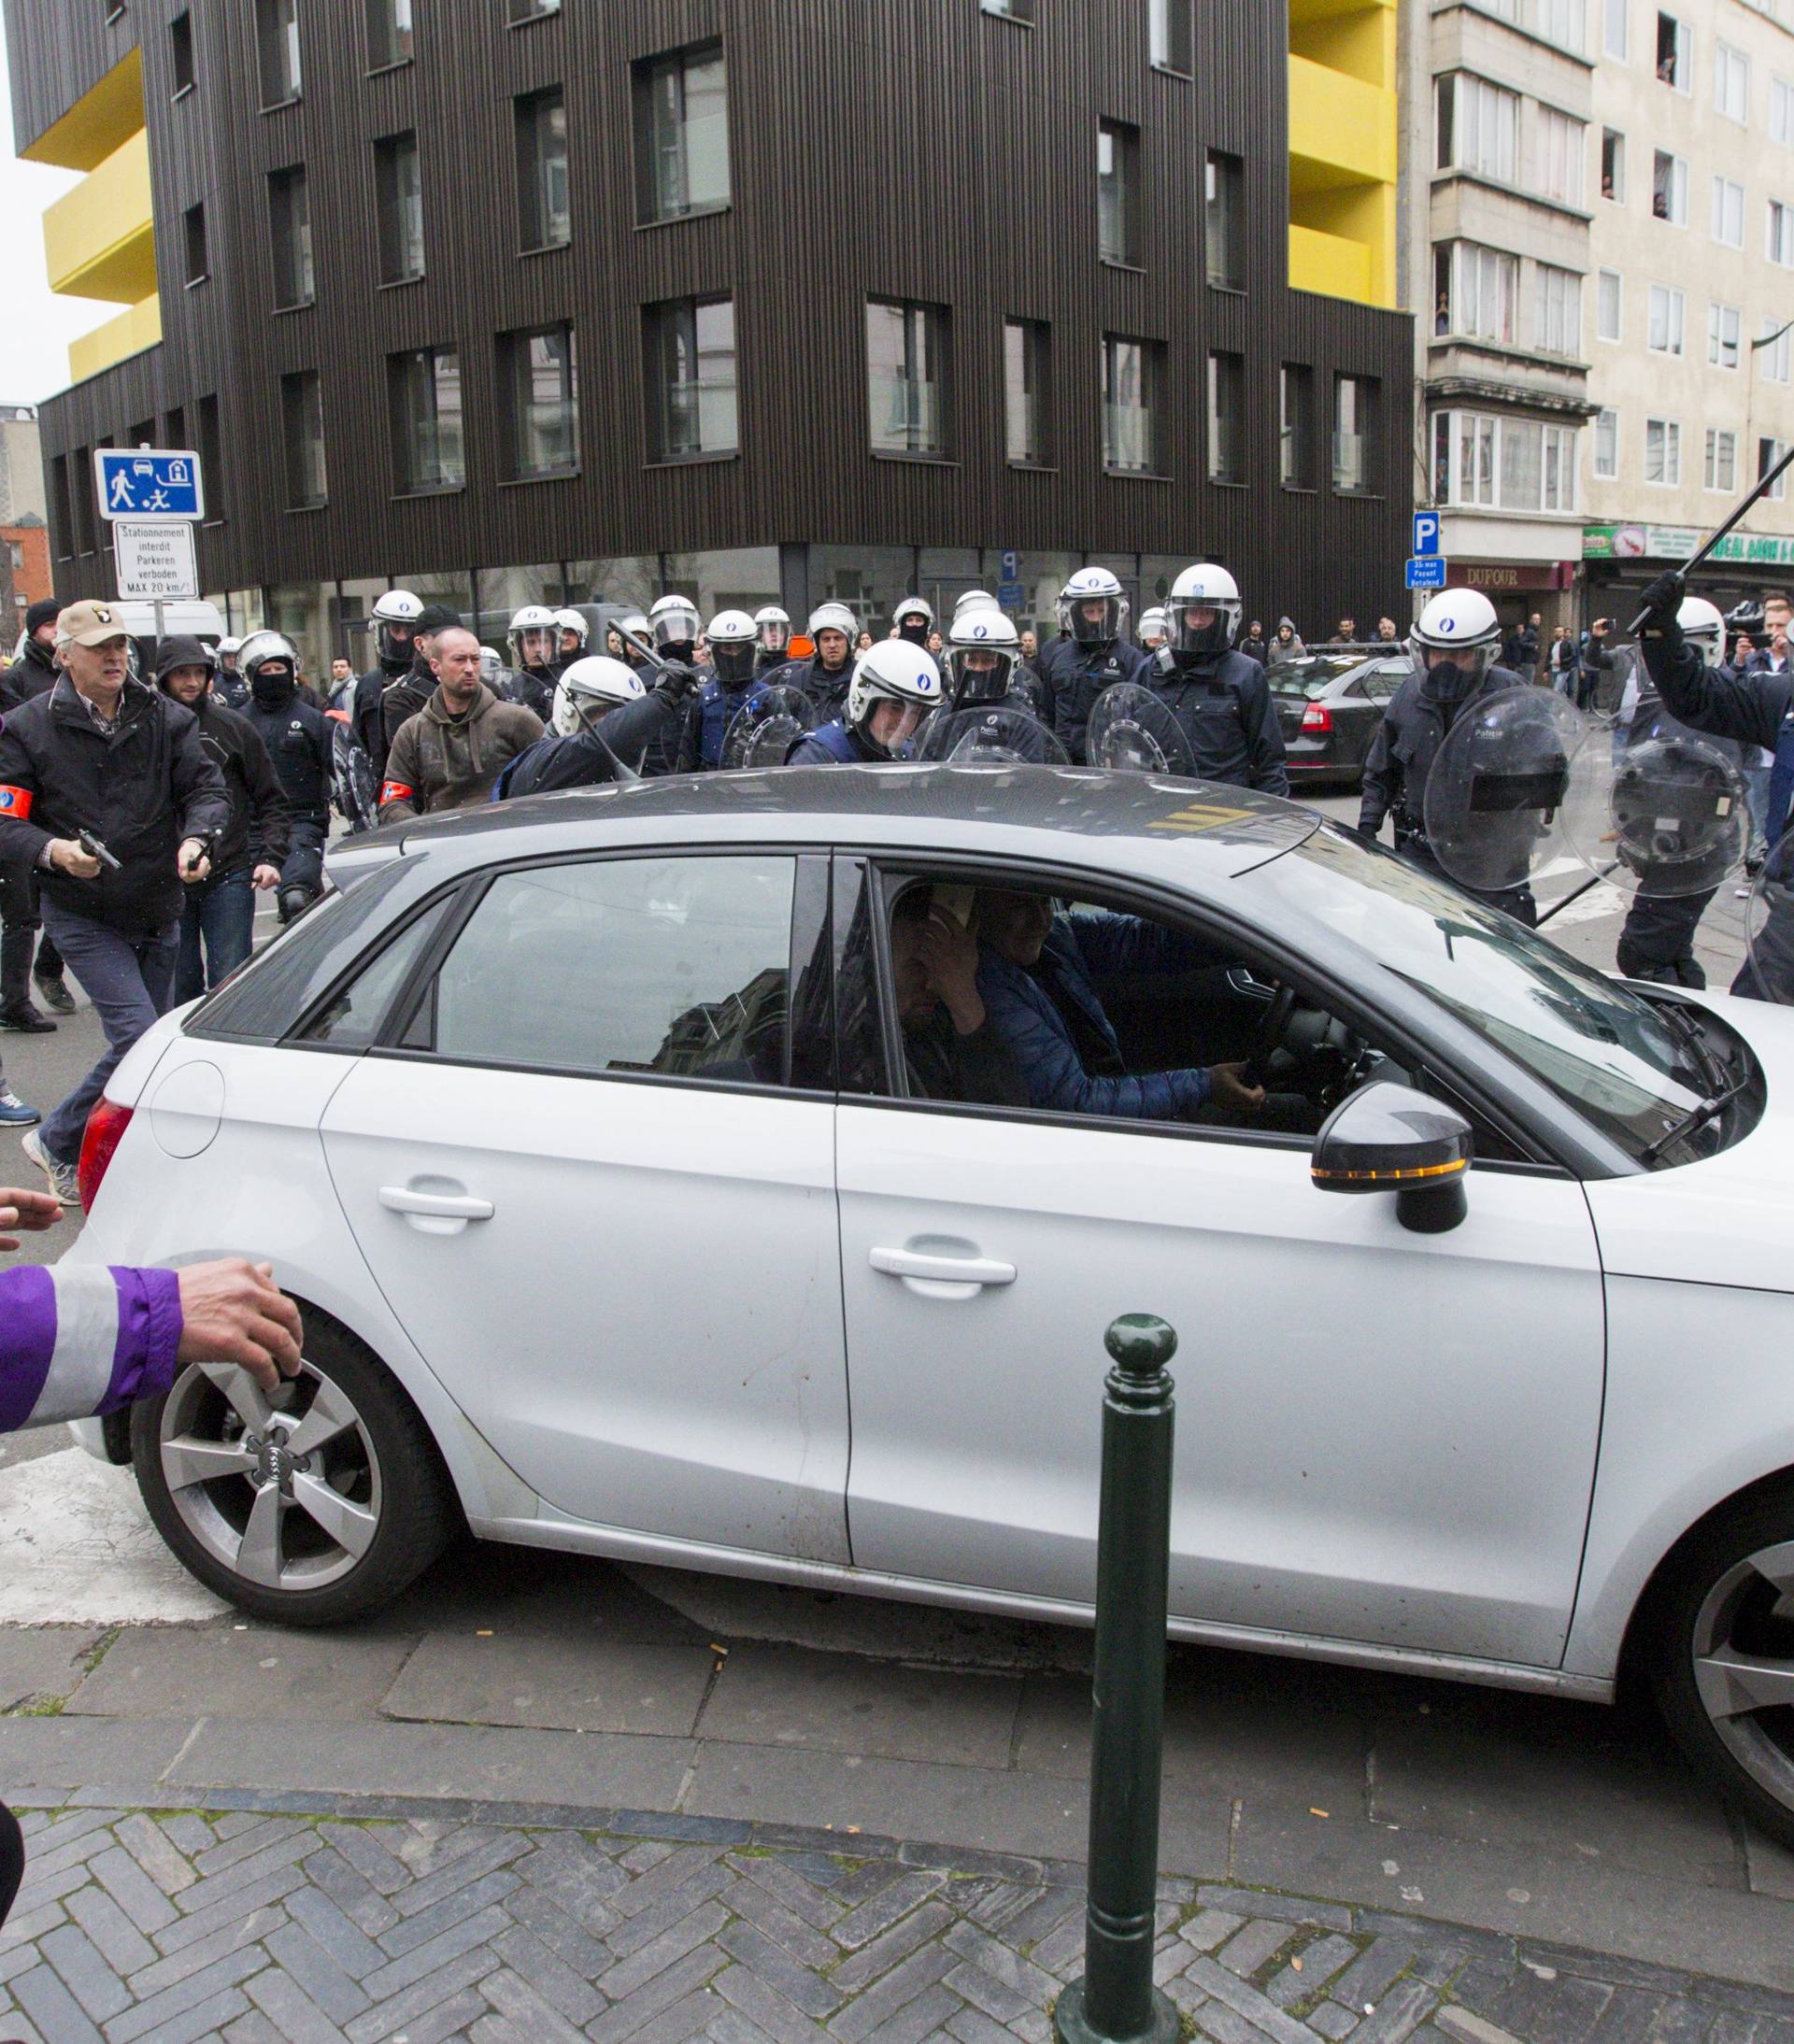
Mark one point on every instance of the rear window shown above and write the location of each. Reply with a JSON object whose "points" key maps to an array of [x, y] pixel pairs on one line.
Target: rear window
{"points": [[1309, 678]]}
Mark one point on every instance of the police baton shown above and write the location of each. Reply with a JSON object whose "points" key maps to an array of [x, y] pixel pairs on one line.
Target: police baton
{"points": [[1765, 483]]}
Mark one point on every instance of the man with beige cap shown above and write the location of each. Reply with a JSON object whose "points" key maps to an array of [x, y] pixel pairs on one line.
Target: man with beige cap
{"points": [[107, 759]]}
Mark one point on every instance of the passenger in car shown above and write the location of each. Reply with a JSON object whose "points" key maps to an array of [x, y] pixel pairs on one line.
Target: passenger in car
{"points": [[950, 1048], [1037, 974]]}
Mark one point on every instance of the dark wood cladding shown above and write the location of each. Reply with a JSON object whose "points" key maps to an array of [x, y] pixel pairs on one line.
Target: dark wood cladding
{"points": [[917, 149]]}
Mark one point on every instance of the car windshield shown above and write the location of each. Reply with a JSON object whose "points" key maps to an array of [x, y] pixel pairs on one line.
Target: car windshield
{"points": [[1592, 1041]]}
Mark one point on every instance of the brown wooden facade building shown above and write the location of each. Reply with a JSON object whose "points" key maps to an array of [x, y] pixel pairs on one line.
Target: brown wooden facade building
{"points": [[762, 299]]}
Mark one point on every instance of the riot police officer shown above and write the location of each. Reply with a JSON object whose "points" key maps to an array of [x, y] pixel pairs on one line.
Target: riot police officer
{"points": [[773, 629], [893, 688], [825, 675], [228, 685], [298, 736], [1453, 645], [535, 643], [988, 699], [394, 618], [574, 631], [914, 619], [1090, 655], [728, 689], [604, 723], [1217, 695]]}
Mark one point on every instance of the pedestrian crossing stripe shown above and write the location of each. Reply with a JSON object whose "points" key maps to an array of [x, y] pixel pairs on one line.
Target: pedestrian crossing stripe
{"points": [[1199, 816]]}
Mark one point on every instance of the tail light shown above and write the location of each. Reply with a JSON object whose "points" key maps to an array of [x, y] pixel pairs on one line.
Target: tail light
{"points": [[104, 1131], [1317, 718]]}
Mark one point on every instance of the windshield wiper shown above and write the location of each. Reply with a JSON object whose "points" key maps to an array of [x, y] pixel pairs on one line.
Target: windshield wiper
{"points": [[1695, 1120], [1713, 1075]]}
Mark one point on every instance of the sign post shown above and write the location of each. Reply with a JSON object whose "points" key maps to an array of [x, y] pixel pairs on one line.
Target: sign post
{"points": [[152, 497]]}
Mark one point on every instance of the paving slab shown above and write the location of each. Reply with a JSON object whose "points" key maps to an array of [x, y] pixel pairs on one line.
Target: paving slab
{"points": [[74, 1752], [43, 1661], [236, 1670], [587, 1682], [840, 1703]]}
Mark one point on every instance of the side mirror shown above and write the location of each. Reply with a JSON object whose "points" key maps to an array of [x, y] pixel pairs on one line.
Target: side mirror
{"points": [[1387, 1137]]}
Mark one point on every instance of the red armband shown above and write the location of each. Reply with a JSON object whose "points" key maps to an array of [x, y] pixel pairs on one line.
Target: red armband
{"points": [[15, 802], [395, 791]]}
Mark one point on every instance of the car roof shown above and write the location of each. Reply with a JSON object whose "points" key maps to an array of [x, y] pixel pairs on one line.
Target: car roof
{"points": [[1190, 830]]}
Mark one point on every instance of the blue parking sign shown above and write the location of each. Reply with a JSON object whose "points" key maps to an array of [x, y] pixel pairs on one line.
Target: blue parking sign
{"points": [[148, 483], [1427, 572], [1426, 532]]}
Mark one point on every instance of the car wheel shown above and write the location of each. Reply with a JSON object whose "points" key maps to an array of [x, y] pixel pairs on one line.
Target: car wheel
{"points": [[1723, 1656], [312, 1507]]}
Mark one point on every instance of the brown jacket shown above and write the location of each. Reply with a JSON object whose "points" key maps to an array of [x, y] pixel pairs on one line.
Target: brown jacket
{"points": [[439, 761]]}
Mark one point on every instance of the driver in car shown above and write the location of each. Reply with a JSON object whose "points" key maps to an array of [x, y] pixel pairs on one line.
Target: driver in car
{"points": [[1037, 976], [951, 1049]]}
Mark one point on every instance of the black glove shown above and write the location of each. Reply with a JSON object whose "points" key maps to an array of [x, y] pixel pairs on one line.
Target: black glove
{"points": [[1660, 612], [680, 681]]}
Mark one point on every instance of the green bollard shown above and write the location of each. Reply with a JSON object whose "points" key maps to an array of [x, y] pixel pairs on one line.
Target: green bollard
{"points": [[1115, 2002]]}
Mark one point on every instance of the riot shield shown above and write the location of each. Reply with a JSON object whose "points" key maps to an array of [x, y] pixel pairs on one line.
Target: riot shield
{"points": [[1772, 927], [763, 732], [1131, 729], [993, 731], [1678, 820], [1614, 687], [1511, 772]]}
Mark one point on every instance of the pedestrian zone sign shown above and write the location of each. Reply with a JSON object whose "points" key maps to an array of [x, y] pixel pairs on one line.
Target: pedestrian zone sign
{"points": [[148, 483]]}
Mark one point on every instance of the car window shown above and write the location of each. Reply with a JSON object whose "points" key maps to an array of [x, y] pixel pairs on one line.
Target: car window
{"points": [[1380, 682], [673, 967], [352, 1017]]}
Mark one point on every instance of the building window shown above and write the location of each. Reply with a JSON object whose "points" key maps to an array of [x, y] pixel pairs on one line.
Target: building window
{"points": [[1615, 39], [545, 214], [1564, 23], [1607, 445], [1669, 189], [181, 53], [1518, 465], [398, 185], [1117, 191], [1224, 221], [1027, 390], [681, 133], [1675, 52], [1780, 247], [906, 378], [692, 405], [531, 10], [1557, 152], [1226, 418], [1131, 375], [211, 459], [424, 384], [1781, 112], [1613, 166], [1557, 310], [1296, 426], [1664, 335], [1768, 453], [1731, 83], [541, 370], [1609, 304], [289, 227], [389, 32], [1773, 353], [1727, 213], [1725, 333], [1172, 31], [302, 410], [1477, 288], [199, 265], [1479, 127], [1354, 422], [277, 26], [1011, 11], [1663, 453], [1720, 469]]}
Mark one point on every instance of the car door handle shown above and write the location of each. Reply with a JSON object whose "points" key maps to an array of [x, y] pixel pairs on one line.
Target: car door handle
{"points": [[938, 1270], [435, 1206]]}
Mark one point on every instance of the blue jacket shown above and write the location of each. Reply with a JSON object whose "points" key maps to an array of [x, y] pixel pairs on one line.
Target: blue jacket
{"points": [[708, 720], [1027, 1012], [1756, 707], [828, 744], [1224, 709], [1071, 677]]}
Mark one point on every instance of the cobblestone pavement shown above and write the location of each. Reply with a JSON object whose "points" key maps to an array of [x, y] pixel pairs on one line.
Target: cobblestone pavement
{"points": [[374, 1919]]}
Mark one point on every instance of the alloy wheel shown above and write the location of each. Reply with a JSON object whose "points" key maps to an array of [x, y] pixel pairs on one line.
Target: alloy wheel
{"points": [[1742, 1647]]}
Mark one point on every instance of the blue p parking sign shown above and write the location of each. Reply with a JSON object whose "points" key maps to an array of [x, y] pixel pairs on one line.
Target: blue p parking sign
{"points": [[1426, 533]]}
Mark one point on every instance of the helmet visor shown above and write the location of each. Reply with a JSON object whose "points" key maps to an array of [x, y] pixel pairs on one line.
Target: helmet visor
{"points": [[1095, 620], [978, 674], [537, 645], [774, 635], [679, 627], [1199, 625], [733, 661]]}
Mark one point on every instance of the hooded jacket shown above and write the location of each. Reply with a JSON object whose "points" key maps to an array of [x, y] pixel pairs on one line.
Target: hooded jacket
{"points": [[440, 761], [259, 827], [33, 673]]}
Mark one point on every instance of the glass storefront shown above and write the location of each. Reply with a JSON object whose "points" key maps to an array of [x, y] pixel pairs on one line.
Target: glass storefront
{"points": [[505, 591], [352, 636], [631, 579], [301, 610], [731, 578], [867, 579]]}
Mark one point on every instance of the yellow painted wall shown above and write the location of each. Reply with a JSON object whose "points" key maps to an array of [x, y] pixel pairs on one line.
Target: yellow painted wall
{"points": [[1345, 126], [130, 334], [97, 124]]}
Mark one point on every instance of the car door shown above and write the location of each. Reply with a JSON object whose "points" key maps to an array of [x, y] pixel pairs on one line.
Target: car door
{"points": [[1382, 1436], [592, 1171]]}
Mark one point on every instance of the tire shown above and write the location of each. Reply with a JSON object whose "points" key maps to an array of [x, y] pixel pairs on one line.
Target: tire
{"points": [[335, 1526], [1721, 1651]]}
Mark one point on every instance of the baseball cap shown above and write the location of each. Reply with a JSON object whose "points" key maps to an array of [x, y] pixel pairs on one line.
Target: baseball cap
{"points": [[89, 624]]}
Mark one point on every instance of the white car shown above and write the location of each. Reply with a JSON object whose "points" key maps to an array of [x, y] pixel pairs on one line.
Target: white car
{"points": [[643, 1201]]}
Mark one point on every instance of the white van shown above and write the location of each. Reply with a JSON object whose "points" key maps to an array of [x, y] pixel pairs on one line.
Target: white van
{"points": [[195, 621]]}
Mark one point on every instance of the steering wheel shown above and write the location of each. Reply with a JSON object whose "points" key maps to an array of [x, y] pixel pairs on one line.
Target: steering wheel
{"points": [[1272, 1025]]}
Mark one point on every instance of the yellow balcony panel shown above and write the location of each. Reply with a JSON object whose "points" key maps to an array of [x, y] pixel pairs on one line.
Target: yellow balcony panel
{"points": [[1352, 36], [130, 334], [98, 241], [1340, 123], [100, 121], [1329, 264]]}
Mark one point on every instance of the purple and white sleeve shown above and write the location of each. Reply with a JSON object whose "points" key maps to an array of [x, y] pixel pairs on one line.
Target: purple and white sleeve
{"points": [[78, 1339]]}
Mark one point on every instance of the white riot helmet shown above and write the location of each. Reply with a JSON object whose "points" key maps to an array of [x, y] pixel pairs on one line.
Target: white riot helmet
{"points": [[774, 627], [833, 617], [893, 672], [570, 620], [1703, 628], [1458, 621], [1202, 613], [1152, 627], [535, 637], [588, 689], [974, 600], [228, 649], [491, 665], [914, 618], [674, 625], [732, 646], [266, 650], [634, 626], [1088, 588], [983, 650], [395, 619]]}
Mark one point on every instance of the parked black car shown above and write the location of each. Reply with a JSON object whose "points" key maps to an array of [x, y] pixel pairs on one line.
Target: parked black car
{"points": [[1329, 706]]}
